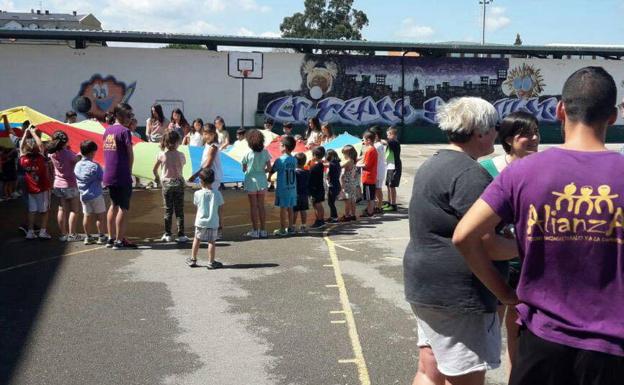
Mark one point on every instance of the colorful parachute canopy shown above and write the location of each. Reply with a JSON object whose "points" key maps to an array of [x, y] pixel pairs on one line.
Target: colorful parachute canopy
{"points": [[144, 153]]}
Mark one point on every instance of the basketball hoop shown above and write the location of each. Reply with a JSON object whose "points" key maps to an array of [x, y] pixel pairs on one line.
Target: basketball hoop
{"points": [[245, 73]]}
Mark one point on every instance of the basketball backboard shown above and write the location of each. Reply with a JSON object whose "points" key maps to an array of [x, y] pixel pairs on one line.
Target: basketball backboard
{"points": [[241, 63]]}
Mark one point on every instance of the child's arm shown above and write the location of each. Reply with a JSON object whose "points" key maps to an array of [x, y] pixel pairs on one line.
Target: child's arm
{"points": [[267, 166], [27, 134], [148, 128], [155, 170], [7, 125], [187, 139], [212, 152], [38, 141]]}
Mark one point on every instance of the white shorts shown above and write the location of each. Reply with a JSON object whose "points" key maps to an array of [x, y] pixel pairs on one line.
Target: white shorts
{"points": [[462, 343], [66, 193], [94, 206], [39, 203], [206, 234]]}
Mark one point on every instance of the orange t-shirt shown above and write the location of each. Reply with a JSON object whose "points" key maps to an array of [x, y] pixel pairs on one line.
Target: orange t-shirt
{"points": [[369, 171]]}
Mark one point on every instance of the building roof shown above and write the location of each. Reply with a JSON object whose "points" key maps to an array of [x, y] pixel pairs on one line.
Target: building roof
{"points": [[42, 16], [213, 41]]}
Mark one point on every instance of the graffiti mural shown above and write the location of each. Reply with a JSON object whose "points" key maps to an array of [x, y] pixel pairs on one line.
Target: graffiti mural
{"points": [[365, 90], [99, 95]]}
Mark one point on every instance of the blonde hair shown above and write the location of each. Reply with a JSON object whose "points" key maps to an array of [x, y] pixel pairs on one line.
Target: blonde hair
{"points": [[466, 116]]}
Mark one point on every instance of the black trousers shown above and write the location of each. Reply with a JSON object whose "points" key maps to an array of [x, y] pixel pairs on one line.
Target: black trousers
{"points": [[332, 195], [541, 362]]}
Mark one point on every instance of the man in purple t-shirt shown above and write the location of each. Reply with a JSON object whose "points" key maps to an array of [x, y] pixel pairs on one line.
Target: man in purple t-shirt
{"points": [[118, 160], [567, 204]]}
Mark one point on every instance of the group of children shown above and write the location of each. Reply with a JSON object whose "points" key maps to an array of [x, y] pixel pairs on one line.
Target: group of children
{"points": [[73, 178]]}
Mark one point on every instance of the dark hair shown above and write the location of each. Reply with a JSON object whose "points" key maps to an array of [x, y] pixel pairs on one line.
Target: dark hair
{"points": [[160, 115], [516, 123], [241, 131], [329, 129], [201, 124], [170, 140], [88, 147], [122, 111], [317, 126], [58, 142], [287, 125], [255, 140], [70, 114], [109, 118], [332, 155], [269, 121], [210, 128], [369, 135], [183, 121], [350, 152], [589, 96], [25, 124], [378, 131], [288, 142], [220, 119], [318, 152], [206, 176], [301, 159]]}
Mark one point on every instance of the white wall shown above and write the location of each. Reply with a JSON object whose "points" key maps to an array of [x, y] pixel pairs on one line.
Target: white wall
{"points": [[47, 78]]}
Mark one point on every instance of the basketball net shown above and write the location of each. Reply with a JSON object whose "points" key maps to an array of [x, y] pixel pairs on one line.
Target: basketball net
{"points": [[245, 73]]}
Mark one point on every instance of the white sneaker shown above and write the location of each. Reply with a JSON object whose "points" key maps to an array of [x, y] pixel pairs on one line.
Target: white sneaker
{"points": [[43, 234], [30, 234], [252, 234], [63, 238], [74, 237], [182, 239], [166, 238], [16, 194], [263, 234]]}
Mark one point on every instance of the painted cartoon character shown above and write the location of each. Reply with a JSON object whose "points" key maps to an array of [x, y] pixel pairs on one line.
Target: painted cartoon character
{"points": [[319, 79], [524, 81], [99, 95]]}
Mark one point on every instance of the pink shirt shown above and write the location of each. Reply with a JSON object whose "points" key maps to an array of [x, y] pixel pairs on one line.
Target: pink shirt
{"points": [[64, 162], [172, 164]]}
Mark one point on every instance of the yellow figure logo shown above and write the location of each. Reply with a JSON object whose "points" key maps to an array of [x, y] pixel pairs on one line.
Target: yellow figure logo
{"points": [[109, 143], [586, 198], [567, 195], [603, 196]]}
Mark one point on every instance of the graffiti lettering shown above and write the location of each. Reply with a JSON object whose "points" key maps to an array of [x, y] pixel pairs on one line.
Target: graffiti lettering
{"points": [[544, 111]]}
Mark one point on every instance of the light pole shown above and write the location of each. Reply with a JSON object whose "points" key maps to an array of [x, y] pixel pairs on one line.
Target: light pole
{"points": [[485, 4]]}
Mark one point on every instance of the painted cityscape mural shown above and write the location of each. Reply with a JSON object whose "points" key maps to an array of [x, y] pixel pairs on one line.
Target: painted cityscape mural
{"points": [[364, 90]]}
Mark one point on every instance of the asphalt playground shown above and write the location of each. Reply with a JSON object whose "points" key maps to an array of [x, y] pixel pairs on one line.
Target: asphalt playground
{"points": [[322, 308]]}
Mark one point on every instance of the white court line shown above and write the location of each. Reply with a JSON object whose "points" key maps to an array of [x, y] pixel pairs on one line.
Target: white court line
{"points": [[343, 247], [50, 258]]}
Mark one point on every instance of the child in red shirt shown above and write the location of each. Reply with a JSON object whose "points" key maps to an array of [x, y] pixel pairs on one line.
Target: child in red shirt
{"points": [[369, 172], [37, 179]]}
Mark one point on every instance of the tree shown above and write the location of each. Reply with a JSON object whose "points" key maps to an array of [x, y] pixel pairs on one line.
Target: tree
{"points": [[518, 40], [322, 19]]}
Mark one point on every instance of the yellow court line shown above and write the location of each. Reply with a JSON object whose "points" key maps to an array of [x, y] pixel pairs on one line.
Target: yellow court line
{"points": [[50, 258], [349, 240], [348, 312]]}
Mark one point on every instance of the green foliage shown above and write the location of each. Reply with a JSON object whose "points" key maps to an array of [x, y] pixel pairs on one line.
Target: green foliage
{"points": [[322, 19]]}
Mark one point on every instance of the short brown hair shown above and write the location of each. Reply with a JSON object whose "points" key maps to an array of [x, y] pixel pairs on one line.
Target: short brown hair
{"points": [[255, 139], [288, 142]]}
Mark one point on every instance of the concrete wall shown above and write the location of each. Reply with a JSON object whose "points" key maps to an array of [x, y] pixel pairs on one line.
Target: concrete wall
{"points": [[352, 92]]}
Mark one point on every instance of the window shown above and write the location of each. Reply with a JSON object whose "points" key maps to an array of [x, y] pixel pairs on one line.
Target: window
{"points": [[485, 79], [493, 82], [502, 74], [351, 78], [366, 78], [380, 80]]}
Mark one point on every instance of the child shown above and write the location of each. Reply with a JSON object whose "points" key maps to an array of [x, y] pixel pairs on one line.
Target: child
{"points": [[71, 117], [303, 176], [9, 173], [209, 202], [393, 167], [37, 181], [179, 123], [223, 137], [194, 137], [256, 165], [349, 182], [333, 184], [381, 167], [313, 133], [240, 136], [327, 134], [156, 124], [212, 160], [268, 124], [171, 162], [369, 172], [288, 127], [286, 190], [316, 186], [65, 186], [89, 176]]}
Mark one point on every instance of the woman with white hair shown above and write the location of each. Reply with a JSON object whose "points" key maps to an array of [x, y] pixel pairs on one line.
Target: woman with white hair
{"points": [[458, 328]]}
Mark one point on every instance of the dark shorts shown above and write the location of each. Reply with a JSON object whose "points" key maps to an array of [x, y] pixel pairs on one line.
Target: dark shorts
{"points": [[302, 203], [393, 178], [120, 196], [318, 197], [541, 362], [368, 192]]}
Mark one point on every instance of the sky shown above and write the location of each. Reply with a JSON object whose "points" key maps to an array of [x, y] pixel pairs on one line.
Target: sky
{"points": [[538, 22]]}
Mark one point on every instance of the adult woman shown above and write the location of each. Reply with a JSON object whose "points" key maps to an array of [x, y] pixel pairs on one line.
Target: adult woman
{"points": [[458, 328], [156, 124], [179, 123], [313, 133], [223, 136], [327, 135], [519, 136]]}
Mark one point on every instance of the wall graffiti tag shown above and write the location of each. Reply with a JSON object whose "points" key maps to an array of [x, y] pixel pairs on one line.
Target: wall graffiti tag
{"points": [[99, 95], [362, 90]]}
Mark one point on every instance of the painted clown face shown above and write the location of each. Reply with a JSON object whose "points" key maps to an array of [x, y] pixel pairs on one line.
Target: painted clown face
{"points": [[104, 94], [319, 79], [524, 81]]}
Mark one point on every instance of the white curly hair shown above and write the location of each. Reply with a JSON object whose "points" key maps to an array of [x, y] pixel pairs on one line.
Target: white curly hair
{"points": [[467, 115]]}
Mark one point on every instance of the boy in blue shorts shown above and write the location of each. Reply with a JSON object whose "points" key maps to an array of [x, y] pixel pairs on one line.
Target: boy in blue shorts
{"points": [[286, 190]]}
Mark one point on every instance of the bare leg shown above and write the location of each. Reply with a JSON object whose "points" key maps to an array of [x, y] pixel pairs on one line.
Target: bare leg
{"points": [[475, 378], [101, 223], [195, 248], [428, 373], [86, 219], [291, 214], [44, 220], [392, 195], [110, 221], [74, 210], [261, 210], [295, 217], [283, 217], [31, 220], [120, 223], [512, 334], [211, 251], [253, 211], [62, 214], [304, 217], [379, 197]]}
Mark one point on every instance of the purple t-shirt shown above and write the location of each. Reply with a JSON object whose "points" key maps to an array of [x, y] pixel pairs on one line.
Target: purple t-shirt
{"points": [[117, 171], [568, 209]]}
